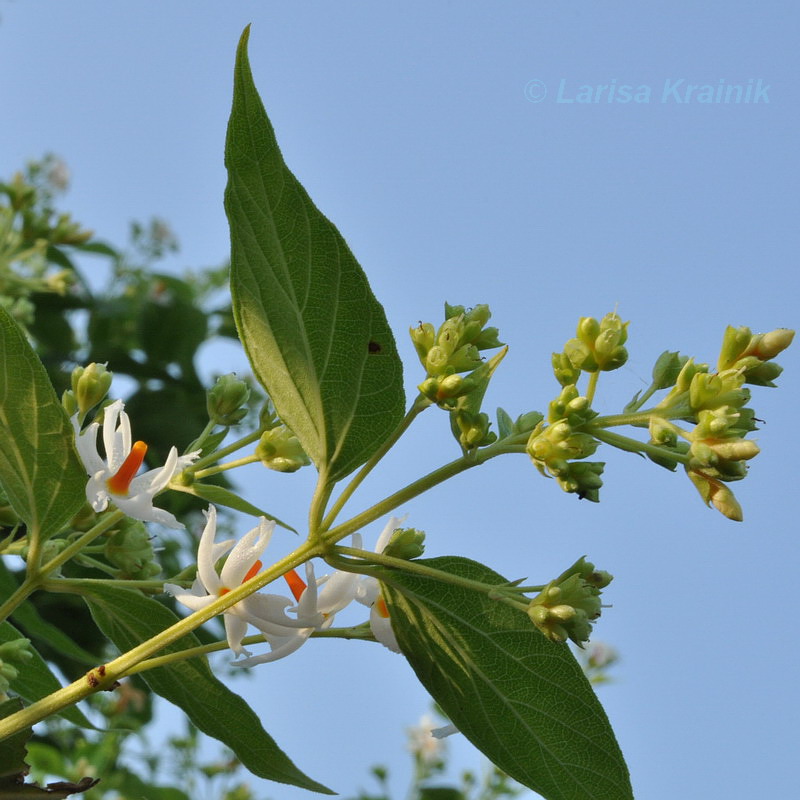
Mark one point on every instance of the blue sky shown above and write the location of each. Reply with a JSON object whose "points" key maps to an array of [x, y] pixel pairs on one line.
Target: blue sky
{"points": [[414, 128]]}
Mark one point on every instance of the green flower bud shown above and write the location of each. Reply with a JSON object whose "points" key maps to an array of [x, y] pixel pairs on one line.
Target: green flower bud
{"points": [[470, 429], [566, 608], [734, 343], [763, 374], [735, 449], [566, 374], [130, 550], [465, 359], [406, 543], [422, 337], [226, 400], [715, 492], [90, 385], [69, 403], [588, 330], [766, 346], [580, 355], [279, 449]]}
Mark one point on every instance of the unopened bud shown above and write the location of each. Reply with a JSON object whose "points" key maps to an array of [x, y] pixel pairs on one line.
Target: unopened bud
{"points": [[279, 449], [406, 543], [90, 385], [226, 400]]}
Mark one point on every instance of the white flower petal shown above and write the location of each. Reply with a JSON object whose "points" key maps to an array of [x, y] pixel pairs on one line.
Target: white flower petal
{"points": [[281, 647], [235, 630], [246, 552], [206, 556], [382, 630]]}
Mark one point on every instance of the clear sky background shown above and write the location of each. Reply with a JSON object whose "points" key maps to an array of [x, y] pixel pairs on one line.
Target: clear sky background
{"points": [[413, 127]]}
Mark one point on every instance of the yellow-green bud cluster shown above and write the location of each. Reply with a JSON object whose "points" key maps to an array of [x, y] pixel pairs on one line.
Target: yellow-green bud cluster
{"points": [[279, 449], [453, 349], [598, 346], [406, 543], [226, 400], [716, 402], [130, 550], [17, 650], [555, 447], [568, 606], [90, 385]]}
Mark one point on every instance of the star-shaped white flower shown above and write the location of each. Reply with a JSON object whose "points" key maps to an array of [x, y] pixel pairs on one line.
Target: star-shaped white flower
{"points": [[114, 478], [318, 601], [265, 611]]}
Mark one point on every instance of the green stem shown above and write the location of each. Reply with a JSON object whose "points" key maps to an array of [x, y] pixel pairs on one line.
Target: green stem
{"points": [[212, 458], [635, 446], [510, 445], [592, 386], [639, 418], [495, 590], [239, 462], [417, 407], [105, 676]]}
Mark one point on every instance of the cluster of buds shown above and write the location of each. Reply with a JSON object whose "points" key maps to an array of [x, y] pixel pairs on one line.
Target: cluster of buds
{"points": [[17, 650], [568, 606], [447, 353], [90, 385], [226, 400], [278, 448], [716, 402], [598, 347], [557, 445], [129, 550]]}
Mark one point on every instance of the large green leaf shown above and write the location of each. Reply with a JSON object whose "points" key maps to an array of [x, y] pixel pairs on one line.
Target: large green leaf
{"points": [[35, 680], [520, 698], [128, 619], [39, 469], [317, 338]]}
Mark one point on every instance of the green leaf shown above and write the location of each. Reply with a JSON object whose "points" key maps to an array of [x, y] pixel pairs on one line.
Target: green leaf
{"points": [[317, 338], [220, 496], [521, 699], [12, 748], [39, 469], [128, 618], [35, 680], [35, 625]]}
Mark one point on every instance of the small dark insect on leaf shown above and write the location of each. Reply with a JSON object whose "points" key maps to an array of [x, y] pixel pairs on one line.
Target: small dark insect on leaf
{"points": [[374, 347]]}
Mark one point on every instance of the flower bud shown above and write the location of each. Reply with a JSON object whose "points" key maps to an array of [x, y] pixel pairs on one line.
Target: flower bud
{"points": [[279, 449], [130, 550], [763, 374], [734, 343], [588, 330], [566, 374], [715, 492], [406, 543], [226, 400], [766, 346], [90, 385], [422, 337]]}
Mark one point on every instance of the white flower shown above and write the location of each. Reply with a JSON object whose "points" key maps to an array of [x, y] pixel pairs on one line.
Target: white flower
{"points": [[268, 612], [368, 593], [115, 479], [243, 563], [315, 608]]}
